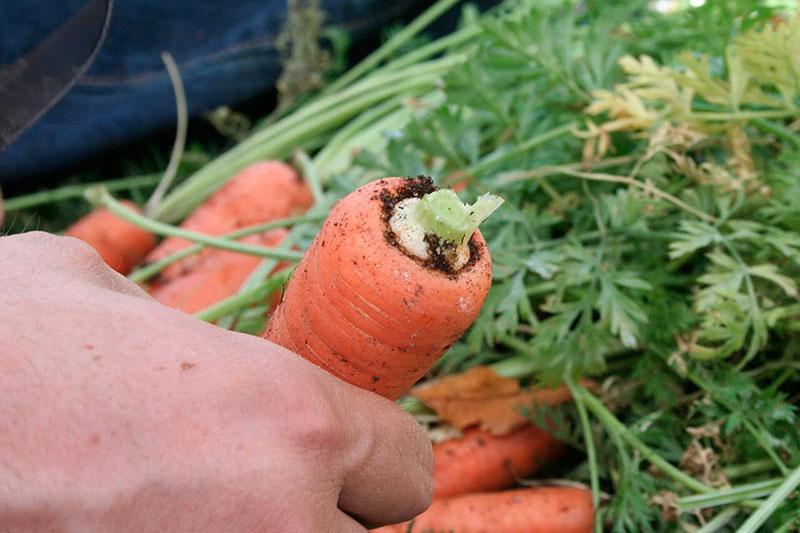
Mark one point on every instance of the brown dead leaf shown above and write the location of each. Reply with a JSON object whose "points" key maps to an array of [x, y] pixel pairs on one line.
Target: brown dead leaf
{"points": [[480, 396]]}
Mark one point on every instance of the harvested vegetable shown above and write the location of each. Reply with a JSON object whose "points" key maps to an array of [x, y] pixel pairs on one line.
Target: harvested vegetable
{"points": [[539, 510], [213, 277], [373, 313], [479, 461], [121, 244], [261, 192]]}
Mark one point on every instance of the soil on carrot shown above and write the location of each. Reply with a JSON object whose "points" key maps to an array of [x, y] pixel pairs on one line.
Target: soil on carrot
{"points": [[439, 249]]}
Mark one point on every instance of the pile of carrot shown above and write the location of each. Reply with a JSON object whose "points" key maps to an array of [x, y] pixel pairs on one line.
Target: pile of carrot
{"points": [[369, 312], [260, 193]]}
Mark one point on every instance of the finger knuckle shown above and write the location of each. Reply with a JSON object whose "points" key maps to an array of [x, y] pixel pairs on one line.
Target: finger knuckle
{"points": [[77, 250], [315, 422]]}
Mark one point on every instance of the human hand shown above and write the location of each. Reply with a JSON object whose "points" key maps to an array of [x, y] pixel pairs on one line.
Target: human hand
{"points": [[121, 414]]}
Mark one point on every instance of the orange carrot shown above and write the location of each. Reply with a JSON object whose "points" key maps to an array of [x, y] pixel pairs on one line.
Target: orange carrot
{"points": [[217, 275], [121, 244], [362, 308], [264, 191], [536, 510], [479, 461]]}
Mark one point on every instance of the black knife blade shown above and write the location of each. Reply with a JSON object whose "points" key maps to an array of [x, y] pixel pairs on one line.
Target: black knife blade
{"points": [[32, 85]]}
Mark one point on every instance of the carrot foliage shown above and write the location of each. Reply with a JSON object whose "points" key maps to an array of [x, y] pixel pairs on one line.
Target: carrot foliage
{"points": [[650, 165]]}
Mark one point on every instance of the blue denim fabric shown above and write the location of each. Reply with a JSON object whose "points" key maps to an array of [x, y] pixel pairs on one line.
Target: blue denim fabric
{"points": [[225, 52]]}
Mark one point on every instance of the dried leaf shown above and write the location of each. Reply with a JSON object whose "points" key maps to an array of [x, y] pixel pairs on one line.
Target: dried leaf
{"points": [[480, 396]]}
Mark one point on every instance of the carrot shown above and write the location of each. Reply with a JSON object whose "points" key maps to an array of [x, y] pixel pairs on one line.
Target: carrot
{"points": [[217, 275], [366, 309], [539, 510], [261, 192], [120, 244], [479, 461]]}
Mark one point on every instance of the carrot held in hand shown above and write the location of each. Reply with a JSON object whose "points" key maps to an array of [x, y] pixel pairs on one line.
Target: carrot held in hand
{"points": [[535, 510], [479, 461], [121, 244], [261, 192], [396, 275], [215, 276]]}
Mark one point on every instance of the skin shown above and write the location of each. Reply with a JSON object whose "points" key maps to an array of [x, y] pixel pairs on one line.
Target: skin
{"points": [[120, 414]]}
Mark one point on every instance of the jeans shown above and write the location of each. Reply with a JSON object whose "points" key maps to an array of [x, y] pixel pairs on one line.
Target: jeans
{"points": [[225, 52]]}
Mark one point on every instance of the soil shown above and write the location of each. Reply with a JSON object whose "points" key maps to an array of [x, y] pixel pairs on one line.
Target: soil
{"points": [[417, 188]]}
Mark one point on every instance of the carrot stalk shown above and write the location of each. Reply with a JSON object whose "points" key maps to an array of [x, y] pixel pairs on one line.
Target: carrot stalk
{"points": [[442, 214], [99, 196], [146, 272], [262, 192], [362, 308], [119, 243], [218, 275], [34, 199], [540, 510], [479, 461], [260, 273], [297, 130], [236, 302]]}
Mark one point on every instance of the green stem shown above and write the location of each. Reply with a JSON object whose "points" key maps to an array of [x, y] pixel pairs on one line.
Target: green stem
{"points": [[100, 197], [290, 133], [442, 212], [613, 425], [74, 191], [743, 115], [309, 172], [519, 149], [388, 48], [591, 453], [728, 496], [518, 366], [755, 521], [755, 467], [748, 424], [261, 272], [145, 273], [426, 51], [779, 131], [180, 134], [238, 301], [718, 522], [324, 157], [365, 88]]}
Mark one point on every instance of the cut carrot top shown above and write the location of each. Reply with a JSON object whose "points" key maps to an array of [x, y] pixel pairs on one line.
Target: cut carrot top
{"points": [[440, 223]]}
